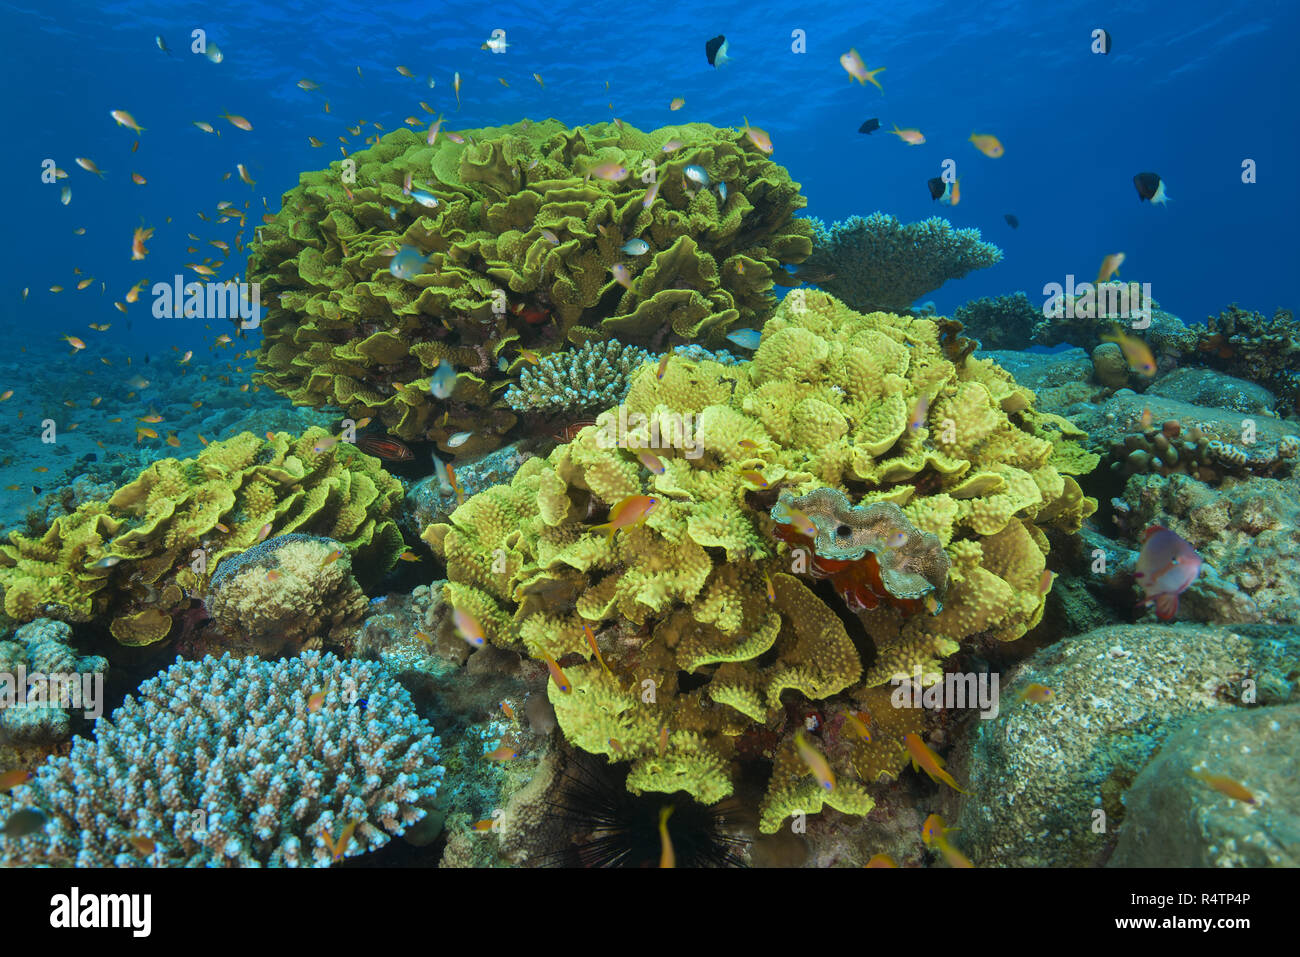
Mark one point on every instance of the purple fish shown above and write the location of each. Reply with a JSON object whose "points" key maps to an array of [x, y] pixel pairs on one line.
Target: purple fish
{"points": [[1166, 567]]}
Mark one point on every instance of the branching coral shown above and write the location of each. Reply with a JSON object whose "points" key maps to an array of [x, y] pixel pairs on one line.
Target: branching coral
{"points": [[529, 221], [596, 376], [135, 558], [706, 634], [880, 264], [225, 763], [1000, 322], [41, 647]]}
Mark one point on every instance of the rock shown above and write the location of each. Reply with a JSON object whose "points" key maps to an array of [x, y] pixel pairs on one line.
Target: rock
{"points": [[1175, 820], [1206, 387], [1110, 366], [1037, 772], [1058, 379]]}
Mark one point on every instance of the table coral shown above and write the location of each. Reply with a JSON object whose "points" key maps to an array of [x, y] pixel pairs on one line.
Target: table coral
{"points": [[518, 255], [227, 763], [136, 558], [699, 658], [879, 263]]}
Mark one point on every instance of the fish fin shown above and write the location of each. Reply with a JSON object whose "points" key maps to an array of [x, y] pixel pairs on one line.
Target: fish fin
{"points": [[1166, 606]]}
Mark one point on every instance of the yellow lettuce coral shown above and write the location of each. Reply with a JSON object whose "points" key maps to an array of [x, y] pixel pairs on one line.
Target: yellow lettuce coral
{"points": [[136, 558], [709, 634]]}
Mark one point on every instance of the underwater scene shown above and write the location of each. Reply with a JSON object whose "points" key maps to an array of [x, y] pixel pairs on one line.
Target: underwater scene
{"points": [[739, 435]]}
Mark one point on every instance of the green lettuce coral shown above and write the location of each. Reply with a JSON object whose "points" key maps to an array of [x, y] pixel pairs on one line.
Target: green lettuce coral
{"points": [[135, 558], [707, 629], [521, 226]]}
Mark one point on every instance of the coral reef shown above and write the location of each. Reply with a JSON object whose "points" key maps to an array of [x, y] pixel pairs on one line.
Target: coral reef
{"points": [[596, 376], [1249, 531], [135, 558], [1207, 387], [707, 644], [877, 263], [1263, 350], [225, 763], [1173, 819], [433, 498], [518, 227], [1058, 380], [285, 595], [1039, 772], [1000, 322], [42, 647]]}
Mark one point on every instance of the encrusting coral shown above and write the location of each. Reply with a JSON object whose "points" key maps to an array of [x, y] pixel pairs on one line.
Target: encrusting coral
{"points": [[1261, 349], [596, 376], [516, 230], [136, 558], [879, 263], [226, 763], [287, 594], [707, 641]]}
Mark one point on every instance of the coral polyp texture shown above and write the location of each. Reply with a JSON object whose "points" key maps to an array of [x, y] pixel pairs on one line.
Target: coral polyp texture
{"points": [[136, 558], [877, 262], [512, 234], [1000, 322], [1264, 350], [711, 639], [596, 376], [41, 647], [226, 763]]}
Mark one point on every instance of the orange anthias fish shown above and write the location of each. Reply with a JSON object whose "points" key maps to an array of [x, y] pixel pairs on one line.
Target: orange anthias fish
{"points": [[924, 759], [137, 242], [629, 513], [126, 119], [337, 848], [1035, 693], [784, 512], [468, 627], [1226, 785], [857, 70], [502, 753], [987, 144], [1109, 267], [316, 702], [815, 760], [591, 640], [667, 857], [1166, 567], [758, 137], [557, 674], [880, 860], [935, 834], [239, 121], [11, 779], [1137, 352], [913, 137]]}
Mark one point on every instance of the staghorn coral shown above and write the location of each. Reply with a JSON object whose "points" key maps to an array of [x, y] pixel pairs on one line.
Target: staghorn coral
{"points": [[1000, 322], [702, 664], [879, 263], [135, 558], [225, 763], [42, 647], [285, 595], [519, 250], [1260, 349], [595, 376]]}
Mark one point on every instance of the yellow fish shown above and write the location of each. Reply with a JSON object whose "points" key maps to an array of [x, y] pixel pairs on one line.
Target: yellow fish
{"points": [[630, 512], [815, 760], [1138, 353], [987, 144]]}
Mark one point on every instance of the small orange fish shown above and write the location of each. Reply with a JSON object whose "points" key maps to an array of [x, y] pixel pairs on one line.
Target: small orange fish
{"points": [[987, 144], [815, 760], [408, 556], [924, 759], [11, 779], [484, 825], [758, 137], [502, 753], [316, 702], [468, 627], [630, 512], [591, 640], [920, 409], [1138, 353], [854, 719], [1226, 785], [239, 121], [1035, 693], [332, 557], [145, 845], [934, 834], [1146, 419], [138, 240], [222, 528], [143, 433], [754, 477], [797, 518], [77, 344], [173, 441], [89, 166], [663, 740], [1109, 267], [152, 418], [337, 848], [273, 575], [508, 711], [6, 394], [880, 860], [650, 461], [557, 674], [263, 532], [138, 179], [663, 365], [857, 70], [912, 137]]}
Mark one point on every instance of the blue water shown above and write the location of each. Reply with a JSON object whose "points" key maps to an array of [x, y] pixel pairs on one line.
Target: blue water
{"points": [[1189, 90]]}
